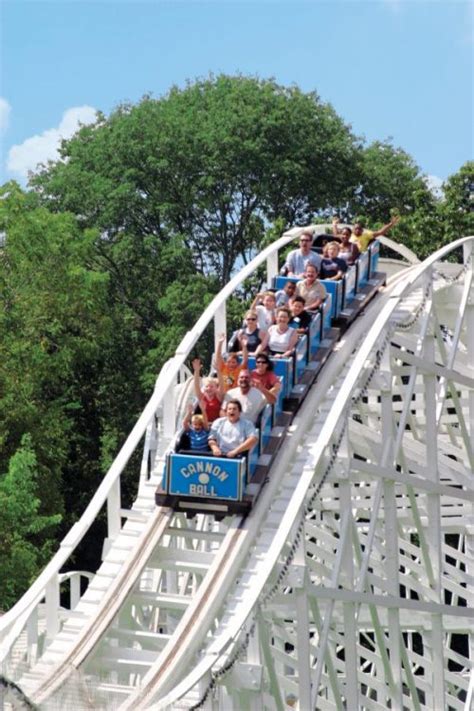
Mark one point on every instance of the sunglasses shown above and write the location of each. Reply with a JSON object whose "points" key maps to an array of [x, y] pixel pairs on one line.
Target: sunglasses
{"points": [[250, 318]]}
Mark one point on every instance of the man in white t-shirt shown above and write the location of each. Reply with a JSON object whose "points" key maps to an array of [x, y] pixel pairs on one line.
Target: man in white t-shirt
{"points": [[232, 435], [250, 398], [297, 260]]}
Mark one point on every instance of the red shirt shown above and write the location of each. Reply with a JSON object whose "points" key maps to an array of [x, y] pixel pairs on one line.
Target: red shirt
{"points": [[213, 408], [267, 379]]}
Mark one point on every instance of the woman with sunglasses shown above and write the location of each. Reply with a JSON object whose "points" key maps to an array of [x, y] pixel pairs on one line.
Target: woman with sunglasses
{"points": [[265, 379], [281, 338], [253, 336]]}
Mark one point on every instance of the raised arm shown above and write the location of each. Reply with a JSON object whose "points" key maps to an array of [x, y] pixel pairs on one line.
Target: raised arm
{"points": [[256, 302], [187, 417], [219, 359], [196, 363], [383, 230], [335, 229], [245, 353]]}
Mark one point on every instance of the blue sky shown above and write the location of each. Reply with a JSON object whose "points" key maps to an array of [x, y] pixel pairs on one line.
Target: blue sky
{"points": [[391, 68]]}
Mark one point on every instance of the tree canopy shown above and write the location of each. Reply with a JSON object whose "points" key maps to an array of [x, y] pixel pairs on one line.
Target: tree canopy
{"points": [[457, 208], [212, 163], [390, 179]]}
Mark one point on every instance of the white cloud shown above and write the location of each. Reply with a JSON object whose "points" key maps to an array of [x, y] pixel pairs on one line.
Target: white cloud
{"points": [[5, 109], [43, 147], [435, 184]]}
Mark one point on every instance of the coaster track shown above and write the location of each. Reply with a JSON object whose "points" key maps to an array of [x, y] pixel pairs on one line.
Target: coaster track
{"points": [[350, 583]]}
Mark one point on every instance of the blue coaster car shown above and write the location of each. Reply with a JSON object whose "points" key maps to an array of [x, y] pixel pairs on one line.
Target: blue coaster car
{"points": [[363, 269], [314, 334], [326, 313], [205, 476], [374, 251], [301, 357], [350, 285], [266, 424], [335, 289]]}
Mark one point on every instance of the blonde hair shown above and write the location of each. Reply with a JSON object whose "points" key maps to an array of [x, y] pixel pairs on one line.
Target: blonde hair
{"points": [[197, 418], [331, 244], [210, 381]]}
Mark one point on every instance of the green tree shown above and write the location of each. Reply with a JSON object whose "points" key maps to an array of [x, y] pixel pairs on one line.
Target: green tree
{"points": [[390, 179], [212, 162], [25, 535], [436, 221], [86, 325], [457, 206], [53, 327]]}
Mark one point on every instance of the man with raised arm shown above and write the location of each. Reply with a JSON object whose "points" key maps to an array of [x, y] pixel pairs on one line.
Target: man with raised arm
{"points": [[362, 237]]}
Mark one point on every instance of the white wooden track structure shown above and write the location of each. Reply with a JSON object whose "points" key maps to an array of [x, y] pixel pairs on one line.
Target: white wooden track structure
{"points": [[350, 584]]}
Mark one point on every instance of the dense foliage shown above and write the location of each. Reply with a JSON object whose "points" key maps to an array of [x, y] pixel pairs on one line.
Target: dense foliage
{"points": [[113, 254], [433, 222], [212, 163], [390, 179], [24, 545], [86, 325]]}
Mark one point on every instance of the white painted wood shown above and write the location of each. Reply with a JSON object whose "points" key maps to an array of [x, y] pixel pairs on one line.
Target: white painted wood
{"points": [[379, 520]]}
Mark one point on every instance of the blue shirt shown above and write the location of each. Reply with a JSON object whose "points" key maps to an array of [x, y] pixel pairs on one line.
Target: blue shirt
{"points": [[198, 440]]}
